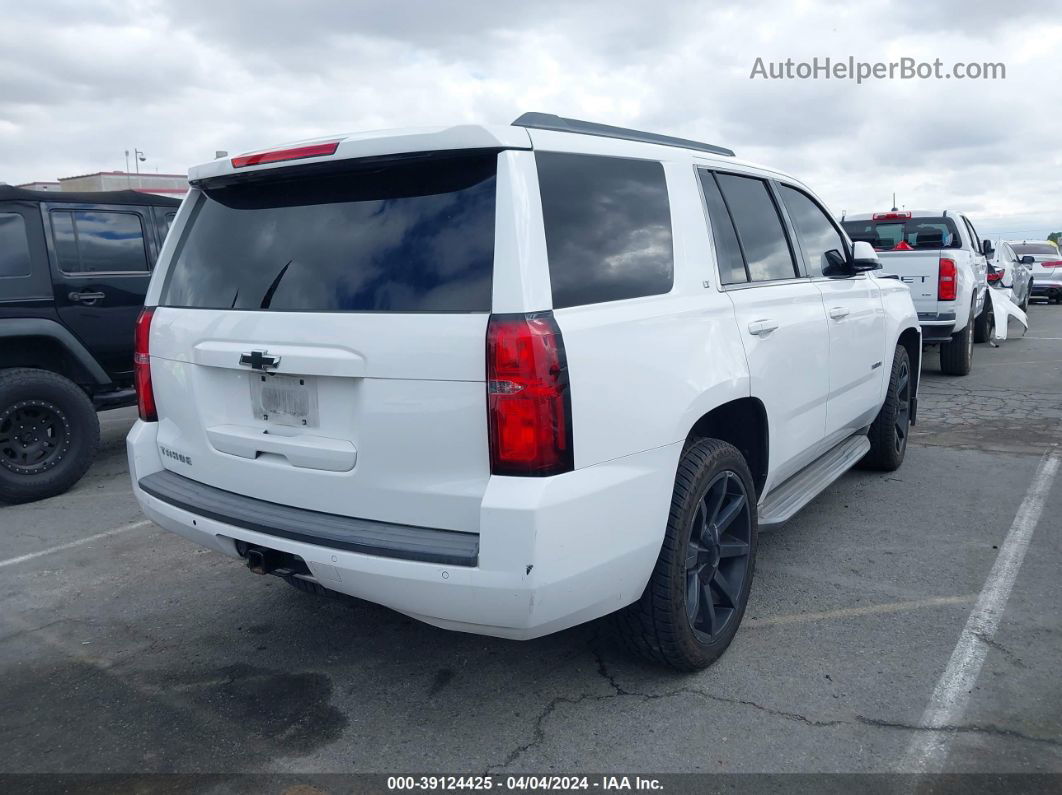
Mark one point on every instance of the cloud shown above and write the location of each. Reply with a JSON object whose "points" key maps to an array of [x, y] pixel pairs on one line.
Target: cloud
{"points": [[80, 83]]}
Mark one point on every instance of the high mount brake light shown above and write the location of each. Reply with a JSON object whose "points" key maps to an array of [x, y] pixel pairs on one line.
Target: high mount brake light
{"points": [[529, 409], [145, 394], [278, 155], [947, 280], [891, 216]]}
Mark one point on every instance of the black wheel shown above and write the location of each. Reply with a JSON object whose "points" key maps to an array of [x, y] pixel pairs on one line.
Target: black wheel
{"points": [[985, 325], [888, 434], [956, 355], [48, 434], [1025, 301], [696, 596]]}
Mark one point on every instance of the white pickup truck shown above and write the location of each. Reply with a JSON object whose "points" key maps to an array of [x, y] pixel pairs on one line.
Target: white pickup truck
{"points": [[938, 254]]}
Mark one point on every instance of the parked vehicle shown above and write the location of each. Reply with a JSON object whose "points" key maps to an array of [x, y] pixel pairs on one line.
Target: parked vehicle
{"points": [[506, 380], [1007, 270], [938, 254], [73, 271], [1046, 264]]}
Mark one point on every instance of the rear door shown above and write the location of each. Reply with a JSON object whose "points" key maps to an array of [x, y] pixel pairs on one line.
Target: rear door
{"points": [[320, 341], [854, 314], [101, 264], [779, 314]]}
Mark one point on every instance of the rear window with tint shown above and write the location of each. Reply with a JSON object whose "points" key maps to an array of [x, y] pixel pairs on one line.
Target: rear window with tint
{"points": [[608, 227], [914, 233], [1034, 249], [399, 237]]}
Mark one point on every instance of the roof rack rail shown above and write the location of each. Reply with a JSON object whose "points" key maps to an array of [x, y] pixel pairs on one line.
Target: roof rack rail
{"points": [[549, 121]]}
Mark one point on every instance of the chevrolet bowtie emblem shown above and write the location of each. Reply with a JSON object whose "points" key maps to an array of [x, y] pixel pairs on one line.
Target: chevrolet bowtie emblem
{"points": [[259, 360]]}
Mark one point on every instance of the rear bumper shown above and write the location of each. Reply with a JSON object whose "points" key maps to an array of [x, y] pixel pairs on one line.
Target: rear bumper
{"points": [[1051, 289], [550, 552], [936, 326]]}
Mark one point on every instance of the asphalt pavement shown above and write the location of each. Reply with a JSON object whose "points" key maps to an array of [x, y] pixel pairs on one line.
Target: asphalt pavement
{"points": [[126, 649]]}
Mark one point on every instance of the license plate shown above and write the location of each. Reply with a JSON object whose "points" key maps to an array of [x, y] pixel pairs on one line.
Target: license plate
{"points": [[284, 399]]}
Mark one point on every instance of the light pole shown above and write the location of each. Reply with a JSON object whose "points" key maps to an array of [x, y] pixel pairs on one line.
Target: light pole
{"points": [[138, 158]]}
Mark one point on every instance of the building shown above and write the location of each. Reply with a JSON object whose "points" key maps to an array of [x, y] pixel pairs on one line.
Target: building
{"points": [[175, 185], [53, 186]]}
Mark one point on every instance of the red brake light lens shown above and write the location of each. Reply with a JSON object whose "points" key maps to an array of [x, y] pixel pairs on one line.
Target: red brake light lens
{"points": [[529, 407], [294, 153], [1054, 263], [997, 275], [947, 280], [891, 216], [145, 395], [903, 245]]}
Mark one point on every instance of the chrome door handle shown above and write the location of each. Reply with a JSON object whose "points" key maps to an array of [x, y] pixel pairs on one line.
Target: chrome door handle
{"points": [[839, 312], [758, 327], [86, 298]]}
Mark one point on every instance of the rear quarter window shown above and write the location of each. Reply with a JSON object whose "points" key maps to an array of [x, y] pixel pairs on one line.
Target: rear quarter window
{"points": [[14, 246], [608, 228], [397, 237]]}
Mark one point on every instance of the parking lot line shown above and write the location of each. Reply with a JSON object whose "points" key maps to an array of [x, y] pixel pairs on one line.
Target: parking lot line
{"points": [[70, 545], [866, 610], [928, 751]]}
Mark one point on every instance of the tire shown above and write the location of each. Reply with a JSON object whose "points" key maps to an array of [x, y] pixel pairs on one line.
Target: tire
{"points": [[956, 355], [38, 461], [710, 571], [985, 325], [890, 429], [1024, 306], [311, 587]]}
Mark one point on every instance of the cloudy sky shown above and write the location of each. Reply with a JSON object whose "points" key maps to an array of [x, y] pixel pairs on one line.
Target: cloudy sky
{"points": [[81, 81]]}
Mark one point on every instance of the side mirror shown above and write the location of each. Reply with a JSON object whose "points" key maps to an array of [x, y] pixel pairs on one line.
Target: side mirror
{"points": [[1028, 259], [987, 249], [864, 258]]}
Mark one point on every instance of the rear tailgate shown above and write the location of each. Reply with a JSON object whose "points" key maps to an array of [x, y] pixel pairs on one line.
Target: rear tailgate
{"points": [[920, 271], [319, 342]]}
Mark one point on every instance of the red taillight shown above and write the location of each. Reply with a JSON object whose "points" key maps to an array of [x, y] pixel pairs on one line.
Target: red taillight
{"points": [[294, 153], [145, 395], [947, 280], [892, 216], [529, 411], [997, 275], [1054, 263]]}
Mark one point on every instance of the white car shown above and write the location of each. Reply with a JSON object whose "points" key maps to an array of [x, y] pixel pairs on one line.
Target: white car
{"points": [[506, 380], [938, 254], [1046, 264], [1008, 270]]}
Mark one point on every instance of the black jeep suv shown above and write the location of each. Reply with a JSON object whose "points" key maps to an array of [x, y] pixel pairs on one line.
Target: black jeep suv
{"points": [[74, 268]]}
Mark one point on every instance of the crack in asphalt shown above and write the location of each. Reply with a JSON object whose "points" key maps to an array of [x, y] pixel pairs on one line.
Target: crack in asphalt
{"points": [[618, 691]]}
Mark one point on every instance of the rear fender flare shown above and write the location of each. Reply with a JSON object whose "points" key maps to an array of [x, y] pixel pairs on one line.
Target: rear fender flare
{"points": [[28, 327]]}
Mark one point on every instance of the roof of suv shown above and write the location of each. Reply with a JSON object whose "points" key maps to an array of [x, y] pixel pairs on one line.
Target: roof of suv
{"points": [[385, 143], [9, 193]]}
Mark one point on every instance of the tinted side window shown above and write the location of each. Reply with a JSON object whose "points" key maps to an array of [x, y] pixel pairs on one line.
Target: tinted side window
{"points": [[816, 233], [167, 222], [14, 246], [759, 228], [727, 248], [608, 227], [94, 241]]}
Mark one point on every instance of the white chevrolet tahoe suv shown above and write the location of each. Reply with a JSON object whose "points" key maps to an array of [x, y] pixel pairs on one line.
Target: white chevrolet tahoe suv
{"points": [[510, 379], [938, 254]]}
